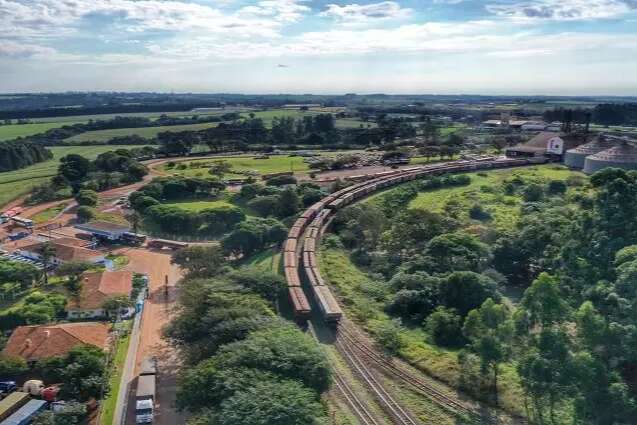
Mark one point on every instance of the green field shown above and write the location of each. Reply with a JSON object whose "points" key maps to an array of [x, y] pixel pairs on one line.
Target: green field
{"points": [[146, 132], [273, 164], [49, 213], [8, 132], [504, 209], [14, 184], [196, 206]]}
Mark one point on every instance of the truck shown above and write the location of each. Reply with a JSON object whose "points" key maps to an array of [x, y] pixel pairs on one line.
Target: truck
{"points": [[145, 395], [12, 403], [26, 414]]}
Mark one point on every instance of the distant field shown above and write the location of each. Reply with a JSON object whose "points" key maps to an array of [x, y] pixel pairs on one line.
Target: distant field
{"points": [[150, 115], [268, 116], [146, 132], [274, 164], [8, 132], [14, 184], [196, 206]]}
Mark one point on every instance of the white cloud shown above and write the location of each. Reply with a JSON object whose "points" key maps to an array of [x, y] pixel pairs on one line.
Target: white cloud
{"points": [[280, 10], [12, 49], [55, 18], [562, 10], [356, 13]]}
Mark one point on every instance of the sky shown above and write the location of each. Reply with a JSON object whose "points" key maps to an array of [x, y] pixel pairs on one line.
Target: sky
{"points": [[523, 47]]}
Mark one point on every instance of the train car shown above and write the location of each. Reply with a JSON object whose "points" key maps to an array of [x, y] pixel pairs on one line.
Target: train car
{"points": [[295, 232], [292, 277], [310, 244], [290, 245], [309, 260], [328, 305], [299, 301], [289, 259]]}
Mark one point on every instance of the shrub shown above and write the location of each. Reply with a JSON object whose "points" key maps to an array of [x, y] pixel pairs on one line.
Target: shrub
{"points": [[445, 327]]}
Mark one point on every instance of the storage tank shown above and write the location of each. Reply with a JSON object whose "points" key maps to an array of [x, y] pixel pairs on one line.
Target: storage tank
{"points": [[576, 157], [623, 156]]}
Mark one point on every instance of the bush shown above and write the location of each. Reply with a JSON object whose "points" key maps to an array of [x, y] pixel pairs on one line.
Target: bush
{"points": [[12, 366], [281, 181], [476, 212], [557, 187], [533, 193], [85, 214], [445, 327]]}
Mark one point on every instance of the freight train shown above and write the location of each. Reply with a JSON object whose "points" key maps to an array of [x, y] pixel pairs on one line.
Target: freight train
{"points": [[299, 250]]}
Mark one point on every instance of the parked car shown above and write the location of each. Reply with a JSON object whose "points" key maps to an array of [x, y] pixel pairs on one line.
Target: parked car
{"points": [[6, 388]]}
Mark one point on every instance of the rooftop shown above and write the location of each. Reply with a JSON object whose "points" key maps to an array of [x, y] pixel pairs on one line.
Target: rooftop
{"points": [[42, 341], [97, 287], [66, 252], [103, 226]]}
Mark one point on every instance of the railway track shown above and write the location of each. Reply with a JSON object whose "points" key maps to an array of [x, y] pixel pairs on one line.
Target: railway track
{"points": [[439, 397], [360, 410], [397, 414]]}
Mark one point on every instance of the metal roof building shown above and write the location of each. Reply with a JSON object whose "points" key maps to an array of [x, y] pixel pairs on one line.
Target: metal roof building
{"points": [[576, 158], [623, 156]]}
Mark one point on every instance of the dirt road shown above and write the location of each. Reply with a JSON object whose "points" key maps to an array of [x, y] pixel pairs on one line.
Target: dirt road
{"points": [[157, 311]]}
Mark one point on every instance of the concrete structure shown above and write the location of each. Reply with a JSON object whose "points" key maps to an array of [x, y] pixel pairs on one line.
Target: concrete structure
{"points": [[576, 158], [33, 343], [623, 156], [104, 229], [96, 288]]}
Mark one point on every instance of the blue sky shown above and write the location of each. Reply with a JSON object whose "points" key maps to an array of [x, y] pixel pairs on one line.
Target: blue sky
{"points": [[565, 47]]}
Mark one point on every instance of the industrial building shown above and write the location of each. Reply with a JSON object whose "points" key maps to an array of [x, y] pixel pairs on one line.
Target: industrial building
{"points": [[104, 229], [575, 158], [624, 156]]}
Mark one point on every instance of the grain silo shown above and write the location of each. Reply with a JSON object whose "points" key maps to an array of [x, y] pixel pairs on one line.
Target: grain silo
{"points": [[576, 158], [624, 155]]}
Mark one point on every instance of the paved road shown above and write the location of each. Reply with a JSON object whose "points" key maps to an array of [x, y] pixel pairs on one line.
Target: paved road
{"points": [[156, 314]]}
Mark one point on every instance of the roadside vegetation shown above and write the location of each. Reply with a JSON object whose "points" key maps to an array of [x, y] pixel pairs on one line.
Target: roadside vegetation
{"points": [[256, 367], [501, 286]]}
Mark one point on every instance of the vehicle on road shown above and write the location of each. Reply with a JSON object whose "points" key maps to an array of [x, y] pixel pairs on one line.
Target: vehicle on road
{"points": [[6, 388], [145, 395]]}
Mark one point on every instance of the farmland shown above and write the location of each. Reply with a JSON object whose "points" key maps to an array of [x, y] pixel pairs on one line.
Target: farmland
{"points": [[273, 164], [8, 132], [146, 132], [17, 183]]}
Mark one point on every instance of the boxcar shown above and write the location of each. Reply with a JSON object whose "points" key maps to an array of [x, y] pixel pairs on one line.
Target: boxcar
{"points": [[299, 301]]}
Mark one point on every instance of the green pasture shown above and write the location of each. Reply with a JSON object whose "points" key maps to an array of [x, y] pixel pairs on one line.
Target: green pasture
{"points": [[273, 164], [8, 132], [503, 209], [14, 184], [146, 132]]}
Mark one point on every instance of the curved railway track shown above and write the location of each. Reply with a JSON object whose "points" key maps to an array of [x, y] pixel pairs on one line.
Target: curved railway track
{"points": [[299, 252], [398, 415]]}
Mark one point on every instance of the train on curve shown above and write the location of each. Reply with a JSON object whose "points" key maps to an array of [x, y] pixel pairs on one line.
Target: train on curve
{"points": [[301, 245]]}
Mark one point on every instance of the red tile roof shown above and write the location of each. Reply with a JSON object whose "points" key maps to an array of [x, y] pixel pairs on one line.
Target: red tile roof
{"points": [[67, 249], [97, 287], [42, 341]]}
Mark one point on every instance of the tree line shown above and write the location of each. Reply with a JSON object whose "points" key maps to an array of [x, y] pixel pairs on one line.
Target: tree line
{"points": [[571, 339], [254, 366], [602, 114], [19, 154]]}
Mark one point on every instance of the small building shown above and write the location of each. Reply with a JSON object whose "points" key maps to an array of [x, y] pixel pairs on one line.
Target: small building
{"points": [[491, 123], [533, 126], [624, 156], [104, 229], [65, 250], [543, 144], [97, 287], [34, 343]]}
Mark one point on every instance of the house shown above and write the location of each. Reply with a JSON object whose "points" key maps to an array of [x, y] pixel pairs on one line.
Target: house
{"points": [[104, 229], [65, 250], [38, 342], [96, 288], [543, 144]]}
